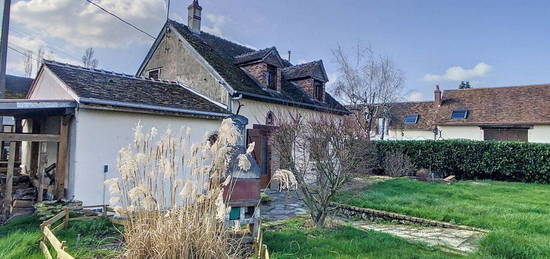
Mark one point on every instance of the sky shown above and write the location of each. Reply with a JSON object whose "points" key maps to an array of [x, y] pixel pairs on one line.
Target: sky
{"points": [[444, 42]]}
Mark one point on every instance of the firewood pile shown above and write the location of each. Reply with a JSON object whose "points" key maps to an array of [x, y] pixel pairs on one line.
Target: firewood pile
{"points": [[48, 209]]}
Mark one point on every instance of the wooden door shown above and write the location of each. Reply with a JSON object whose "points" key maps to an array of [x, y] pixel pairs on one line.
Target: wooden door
{"points": [[261, 153]]}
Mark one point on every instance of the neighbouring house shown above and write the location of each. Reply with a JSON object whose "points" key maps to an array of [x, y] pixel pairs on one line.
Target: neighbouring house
{"points": [[74, 120], [515, 113], [257, 84]]}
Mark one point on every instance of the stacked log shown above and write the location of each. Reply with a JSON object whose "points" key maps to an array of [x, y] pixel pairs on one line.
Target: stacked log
{"points": [[48, 209]]}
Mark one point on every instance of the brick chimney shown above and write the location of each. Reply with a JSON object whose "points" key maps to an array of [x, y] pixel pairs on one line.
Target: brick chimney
{"points": [[194, 17], [437, 96]]}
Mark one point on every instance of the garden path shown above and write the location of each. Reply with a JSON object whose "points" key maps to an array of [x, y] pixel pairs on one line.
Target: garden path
{"points": [[282, 205], [462, 241]]}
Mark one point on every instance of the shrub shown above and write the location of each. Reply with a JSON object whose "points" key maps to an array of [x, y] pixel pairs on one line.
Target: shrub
{"points": [[397, 164], [516, 161]]}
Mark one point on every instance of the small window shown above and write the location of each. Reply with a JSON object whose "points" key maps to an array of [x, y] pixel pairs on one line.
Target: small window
{"points": [[270, 119], [319, 90], [249, 212], [154, 74], [235, 213], [271, 77], [459, 115], [411, 119]]}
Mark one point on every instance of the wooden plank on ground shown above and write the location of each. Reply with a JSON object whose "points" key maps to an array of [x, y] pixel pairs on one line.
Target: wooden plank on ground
{"points": [[62, 157], [45, 250], [29, 137], [9, 179], [58, 246]]}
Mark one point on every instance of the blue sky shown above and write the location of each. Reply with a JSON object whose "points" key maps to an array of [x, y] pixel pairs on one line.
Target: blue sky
{"points": [[490, 43]]}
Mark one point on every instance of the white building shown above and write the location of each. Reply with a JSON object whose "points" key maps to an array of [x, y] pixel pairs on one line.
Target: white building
{"points": [[516, 113], [85, 116]]}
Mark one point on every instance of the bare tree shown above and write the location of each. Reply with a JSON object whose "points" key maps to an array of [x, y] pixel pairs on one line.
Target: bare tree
{"points": [[88, 60], [39, 58], [28, 64], [368, 82], [324, 154]]}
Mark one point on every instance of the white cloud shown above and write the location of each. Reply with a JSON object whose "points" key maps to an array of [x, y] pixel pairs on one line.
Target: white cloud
{"points": [[458, 73], [84, 25], [415, 96], [215, 24]]}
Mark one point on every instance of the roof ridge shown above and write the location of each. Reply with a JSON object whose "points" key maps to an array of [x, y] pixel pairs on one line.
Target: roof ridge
{"points": [[107, 72], [498, 87], [303, 64], [212, 35]]}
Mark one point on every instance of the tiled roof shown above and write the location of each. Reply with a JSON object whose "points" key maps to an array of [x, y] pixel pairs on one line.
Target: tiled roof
{"points": [[17, 87], [221, 53], [499, 105], [252, 56], [424, 110], [312, 69], [496, 106], [104, 85]]}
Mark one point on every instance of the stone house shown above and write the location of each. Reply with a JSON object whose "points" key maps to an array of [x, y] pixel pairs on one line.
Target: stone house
{"points": [[257, 84]]}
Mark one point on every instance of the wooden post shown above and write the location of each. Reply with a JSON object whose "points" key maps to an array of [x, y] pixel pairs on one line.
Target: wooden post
{"points": [[62, 157], [41, 170], [104, 210], [66, 220], [9, 179]]}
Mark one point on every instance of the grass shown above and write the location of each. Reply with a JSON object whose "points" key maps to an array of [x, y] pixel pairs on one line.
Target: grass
{"points": [[518, 214], [19, 238], [292, 239]]}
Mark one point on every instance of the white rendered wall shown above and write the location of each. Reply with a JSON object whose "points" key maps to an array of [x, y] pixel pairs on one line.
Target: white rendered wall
{"points": [[256, 111], [97, 136], [461, 132], [539, 134], [407, 134], [48, 87]]}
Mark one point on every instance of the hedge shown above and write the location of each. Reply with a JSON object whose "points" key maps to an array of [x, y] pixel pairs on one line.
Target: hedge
{"points": [[510, 161]]}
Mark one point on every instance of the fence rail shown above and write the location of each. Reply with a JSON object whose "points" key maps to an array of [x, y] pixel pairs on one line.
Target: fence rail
{"points": [[259, 246], [52, 226]]}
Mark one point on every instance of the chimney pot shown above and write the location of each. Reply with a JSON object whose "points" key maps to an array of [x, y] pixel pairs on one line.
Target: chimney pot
{"points": [[437, 96], [194, 17]]}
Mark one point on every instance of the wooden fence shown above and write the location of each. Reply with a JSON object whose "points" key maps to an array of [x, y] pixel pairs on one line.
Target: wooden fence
{"points": [[57, 223], [259, 246]]}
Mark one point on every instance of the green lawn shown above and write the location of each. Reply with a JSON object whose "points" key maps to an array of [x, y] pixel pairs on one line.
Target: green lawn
{"points": [[517, 213], [293, 240], [19, 238]]}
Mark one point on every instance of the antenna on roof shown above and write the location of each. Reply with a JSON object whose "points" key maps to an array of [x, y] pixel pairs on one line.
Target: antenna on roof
{"points": [[289, 52], [167, 10]]}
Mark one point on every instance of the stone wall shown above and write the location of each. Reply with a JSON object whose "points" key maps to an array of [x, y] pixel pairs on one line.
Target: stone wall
{"points": [[347, 211]]}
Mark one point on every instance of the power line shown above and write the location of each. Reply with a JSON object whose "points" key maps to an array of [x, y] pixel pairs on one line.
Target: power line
{"points": [[51, 48], [23, 54], [122, 20]]}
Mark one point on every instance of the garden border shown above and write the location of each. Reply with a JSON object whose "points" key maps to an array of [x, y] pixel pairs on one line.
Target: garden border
{"points": [[349, 211]]}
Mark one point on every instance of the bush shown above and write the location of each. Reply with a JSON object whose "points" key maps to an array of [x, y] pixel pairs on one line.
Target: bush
{"points": [[515, 161], [397, 164]]}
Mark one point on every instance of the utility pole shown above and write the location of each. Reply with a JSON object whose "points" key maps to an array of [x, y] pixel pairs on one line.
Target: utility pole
{"points": [[4, 46]]}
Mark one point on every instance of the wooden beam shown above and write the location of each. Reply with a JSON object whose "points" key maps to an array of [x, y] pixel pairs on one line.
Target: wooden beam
{"points": [[29, 137], [42, 156], [62, 157], [9, 180]]}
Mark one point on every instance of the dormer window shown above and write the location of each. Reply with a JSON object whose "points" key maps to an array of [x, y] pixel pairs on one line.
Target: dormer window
{"points": [[154, 74], [271, 77], [319, 90]]}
